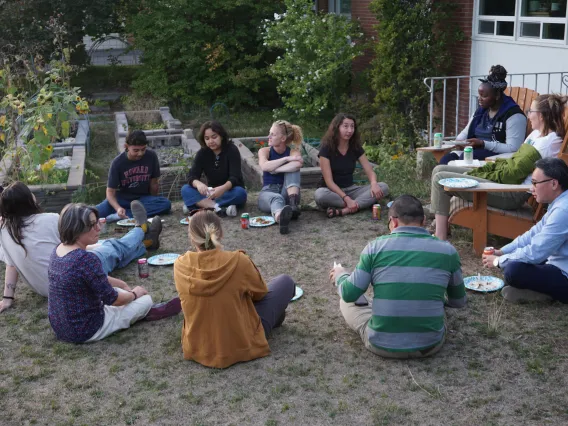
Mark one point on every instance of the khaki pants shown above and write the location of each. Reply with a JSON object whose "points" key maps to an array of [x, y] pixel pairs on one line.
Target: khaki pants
{"points": [[440, 199], [357, 318]]}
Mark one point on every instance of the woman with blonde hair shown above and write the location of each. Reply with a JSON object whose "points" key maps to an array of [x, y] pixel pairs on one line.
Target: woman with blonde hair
{"points": [[228, 309], [340, 151], [281, 162]]}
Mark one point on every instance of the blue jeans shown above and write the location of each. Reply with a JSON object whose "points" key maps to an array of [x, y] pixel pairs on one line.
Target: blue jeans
{"points": [[235, 196], [478, 154], [152, 203], [544, 278], [117, 253], [274, 197]]}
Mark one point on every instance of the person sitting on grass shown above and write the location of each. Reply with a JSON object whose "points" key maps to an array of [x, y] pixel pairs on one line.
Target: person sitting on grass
{"points": [[535, 264], [28, 236], [546, 116], [411, 273], [340, 150], [228, 309], [499, 124], [281, 162], [133, 175], [84, 304], [220, 160]]}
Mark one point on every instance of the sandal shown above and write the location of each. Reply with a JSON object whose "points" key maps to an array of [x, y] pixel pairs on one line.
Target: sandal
{"points": [[333, 212]]}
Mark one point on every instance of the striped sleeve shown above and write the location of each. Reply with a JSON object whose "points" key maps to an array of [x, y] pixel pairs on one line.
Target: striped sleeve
{"points": [[351, 287], [456, 288]]}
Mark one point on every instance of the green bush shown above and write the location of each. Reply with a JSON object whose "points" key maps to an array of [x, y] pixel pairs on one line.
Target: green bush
{"points": [[314, 69], [414, 42], [200, 53]]}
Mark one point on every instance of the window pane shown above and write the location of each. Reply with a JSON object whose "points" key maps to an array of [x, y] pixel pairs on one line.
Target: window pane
{"points": [[505, 28], [554, 8], [553, 31], [498, 8], [486, 27], [345, 7], [530, 29]]}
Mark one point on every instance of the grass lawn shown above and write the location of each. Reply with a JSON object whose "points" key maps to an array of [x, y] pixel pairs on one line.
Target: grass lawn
{"points": [[512, 372], [501, 364]]}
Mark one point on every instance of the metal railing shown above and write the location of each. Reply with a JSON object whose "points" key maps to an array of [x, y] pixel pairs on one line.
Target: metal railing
{"points": [[553, 82]]}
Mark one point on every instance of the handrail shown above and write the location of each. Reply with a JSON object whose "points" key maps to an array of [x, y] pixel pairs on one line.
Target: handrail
{"points": [[534, 80]]}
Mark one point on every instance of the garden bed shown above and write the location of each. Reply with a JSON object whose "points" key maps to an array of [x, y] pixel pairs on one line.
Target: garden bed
{"points": [[252, 173]]}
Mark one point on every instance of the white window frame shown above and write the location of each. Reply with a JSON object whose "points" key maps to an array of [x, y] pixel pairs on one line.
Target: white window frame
{"points": [[334, 6], [518, 20]]}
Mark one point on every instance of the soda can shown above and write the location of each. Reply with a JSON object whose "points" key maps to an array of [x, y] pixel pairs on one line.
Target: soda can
{"points": [[143, 268], [438, 140], [245, 221], [209, 191], [103, 225], [489, 251], [468, 155], [376, 212]]}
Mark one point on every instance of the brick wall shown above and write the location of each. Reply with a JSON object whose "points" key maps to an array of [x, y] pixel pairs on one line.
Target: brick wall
{"points": [[360, 11]]}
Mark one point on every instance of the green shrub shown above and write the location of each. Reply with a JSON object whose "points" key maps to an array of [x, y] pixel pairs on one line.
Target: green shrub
{"points": [[199, 53], [414, 42], [314, 69]]}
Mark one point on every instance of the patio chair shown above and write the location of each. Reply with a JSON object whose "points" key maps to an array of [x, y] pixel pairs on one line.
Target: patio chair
{"points": [[483, 219]]}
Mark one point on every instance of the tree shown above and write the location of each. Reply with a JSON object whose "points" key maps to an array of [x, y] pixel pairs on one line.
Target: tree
{"points": [[203, 53], [414, 41]]}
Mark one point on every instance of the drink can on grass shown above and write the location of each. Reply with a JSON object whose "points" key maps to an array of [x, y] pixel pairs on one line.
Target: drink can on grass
{"points": [[103, 225], [488, 251], [245, 221], [376, 212], [143, 269]]}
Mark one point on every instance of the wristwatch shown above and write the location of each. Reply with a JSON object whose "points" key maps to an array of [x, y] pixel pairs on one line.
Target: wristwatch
{"points": [[496, 262]]}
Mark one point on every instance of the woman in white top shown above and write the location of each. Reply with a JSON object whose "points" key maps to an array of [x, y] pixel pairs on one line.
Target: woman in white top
{"points": [[547, 119]]}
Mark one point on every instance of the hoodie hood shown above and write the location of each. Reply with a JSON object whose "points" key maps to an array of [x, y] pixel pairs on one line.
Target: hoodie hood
{"points": [[208, 271]]}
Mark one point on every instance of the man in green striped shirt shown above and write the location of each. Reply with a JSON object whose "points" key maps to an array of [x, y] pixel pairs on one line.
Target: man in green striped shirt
{"points": [[411, 272]]}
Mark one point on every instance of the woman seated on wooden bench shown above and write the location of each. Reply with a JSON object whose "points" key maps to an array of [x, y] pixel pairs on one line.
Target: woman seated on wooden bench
{"points": [[546, 116], [340, 150], [498, 126]]}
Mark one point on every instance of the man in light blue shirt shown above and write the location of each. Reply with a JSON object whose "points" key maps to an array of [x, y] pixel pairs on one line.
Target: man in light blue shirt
{"points": [[535, 264]]}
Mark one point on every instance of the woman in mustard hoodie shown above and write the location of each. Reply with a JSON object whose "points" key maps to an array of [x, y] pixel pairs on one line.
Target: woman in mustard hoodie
{"points": [[228, 308]]}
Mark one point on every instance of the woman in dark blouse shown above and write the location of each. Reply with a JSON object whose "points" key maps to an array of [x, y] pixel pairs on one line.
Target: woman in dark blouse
{"points": [[340, 150], [220, 160]]}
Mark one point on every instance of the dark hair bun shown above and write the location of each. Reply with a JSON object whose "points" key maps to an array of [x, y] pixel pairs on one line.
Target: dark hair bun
{"points": [[497, 73]]}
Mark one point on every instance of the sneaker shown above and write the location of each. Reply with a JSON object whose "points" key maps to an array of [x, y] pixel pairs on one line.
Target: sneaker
{"points": [[185, 210], [285, 217], [280, 320], [152, 237], [222, 212], [139, 214], [163, 310], [520, 295], [232, 210]]}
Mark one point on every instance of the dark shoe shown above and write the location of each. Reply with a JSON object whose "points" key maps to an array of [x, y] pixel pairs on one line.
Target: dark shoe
{"points": [[285, 217], [222, 212], [152, 237], [522, 295], [295, 204], [139, 214], [164, 310]]}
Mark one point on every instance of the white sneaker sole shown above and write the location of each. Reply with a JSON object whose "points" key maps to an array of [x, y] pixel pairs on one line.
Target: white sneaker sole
{"points": [[231, 211]]}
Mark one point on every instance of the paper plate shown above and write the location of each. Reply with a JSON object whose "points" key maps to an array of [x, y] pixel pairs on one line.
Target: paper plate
{"points": [[185, 221], [163, 259], [483, 284], [299, 293], [126, 222], [261, 221], [458, 182]]}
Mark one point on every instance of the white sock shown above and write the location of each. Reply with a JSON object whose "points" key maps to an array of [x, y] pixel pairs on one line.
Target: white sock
{"points": [[217, 207]]}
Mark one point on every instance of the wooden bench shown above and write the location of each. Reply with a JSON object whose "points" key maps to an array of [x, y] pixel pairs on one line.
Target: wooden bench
{"points": [[483, 219]]}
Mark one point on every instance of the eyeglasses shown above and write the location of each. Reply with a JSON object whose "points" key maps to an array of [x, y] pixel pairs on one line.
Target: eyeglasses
{"points": [[532, 110], [536, 182], [94, 224], [283, 123]]}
